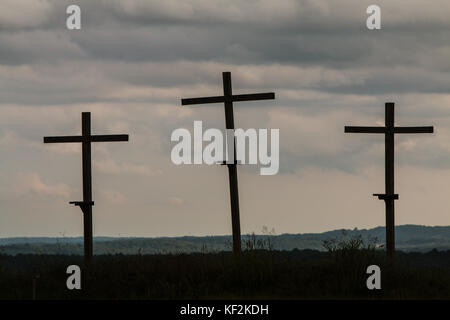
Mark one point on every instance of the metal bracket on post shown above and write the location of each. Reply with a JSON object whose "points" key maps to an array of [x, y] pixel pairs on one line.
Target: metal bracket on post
{"points": [[82, 204], [225, 163], [382, 196]]}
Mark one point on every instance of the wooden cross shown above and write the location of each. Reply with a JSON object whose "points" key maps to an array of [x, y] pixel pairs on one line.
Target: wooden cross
{"points": [[228, 98], [86, 205], [389, 196]]}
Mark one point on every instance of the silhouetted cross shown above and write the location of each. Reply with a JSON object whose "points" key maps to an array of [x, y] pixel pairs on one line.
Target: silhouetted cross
{"points": [[228, 98], [389, 196], [86, 205]]}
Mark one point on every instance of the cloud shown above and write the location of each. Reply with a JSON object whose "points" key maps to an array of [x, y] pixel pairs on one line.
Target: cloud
{"points": [[30, 182], [113, 196], [109, 166], [9, 139], [177, 200], [24, 14]]}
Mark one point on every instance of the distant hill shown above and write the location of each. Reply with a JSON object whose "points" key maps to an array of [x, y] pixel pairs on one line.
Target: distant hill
{"points": [[408, 238]]}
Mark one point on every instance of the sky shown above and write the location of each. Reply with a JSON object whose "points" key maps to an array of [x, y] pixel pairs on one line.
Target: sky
{"points": [[132, 62]]}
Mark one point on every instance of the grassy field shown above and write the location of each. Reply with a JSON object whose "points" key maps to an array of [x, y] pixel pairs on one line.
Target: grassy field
{"points": [[260, 273]]}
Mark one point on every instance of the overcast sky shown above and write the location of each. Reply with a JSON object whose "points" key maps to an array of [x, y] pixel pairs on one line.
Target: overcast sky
{"points": [[132, 62]]}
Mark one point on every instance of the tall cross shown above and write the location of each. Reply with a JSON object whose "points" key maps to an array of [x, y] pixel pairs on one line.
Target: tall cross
{"points": [[86, 205], [389, 196], [228, 98]]}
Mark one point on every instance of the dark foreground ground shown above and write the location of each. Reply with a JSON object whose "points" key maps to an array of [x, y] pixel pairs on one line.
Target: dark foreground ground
{"points": [[258, 274]]}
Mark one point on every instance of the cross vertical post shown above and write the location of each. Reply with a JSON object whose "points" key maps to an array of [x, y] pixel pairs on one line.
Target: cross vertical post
{"points": [[389, 178], [86, 139], [232, 169], [228, 98], [87, 185], [389, 130]]}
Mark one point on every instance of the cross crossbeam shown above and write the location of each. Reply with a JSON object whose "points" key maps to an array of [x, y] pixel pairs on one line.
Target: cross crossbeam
{"points": [[389, 130], [93, 138], [232, 98], [86, 205], [356, 129], [228, 98]]}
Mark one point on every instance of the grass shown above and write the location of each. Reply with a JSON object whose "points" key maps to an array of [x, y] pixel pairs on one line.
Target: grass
{"points": [[260, 273]]}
